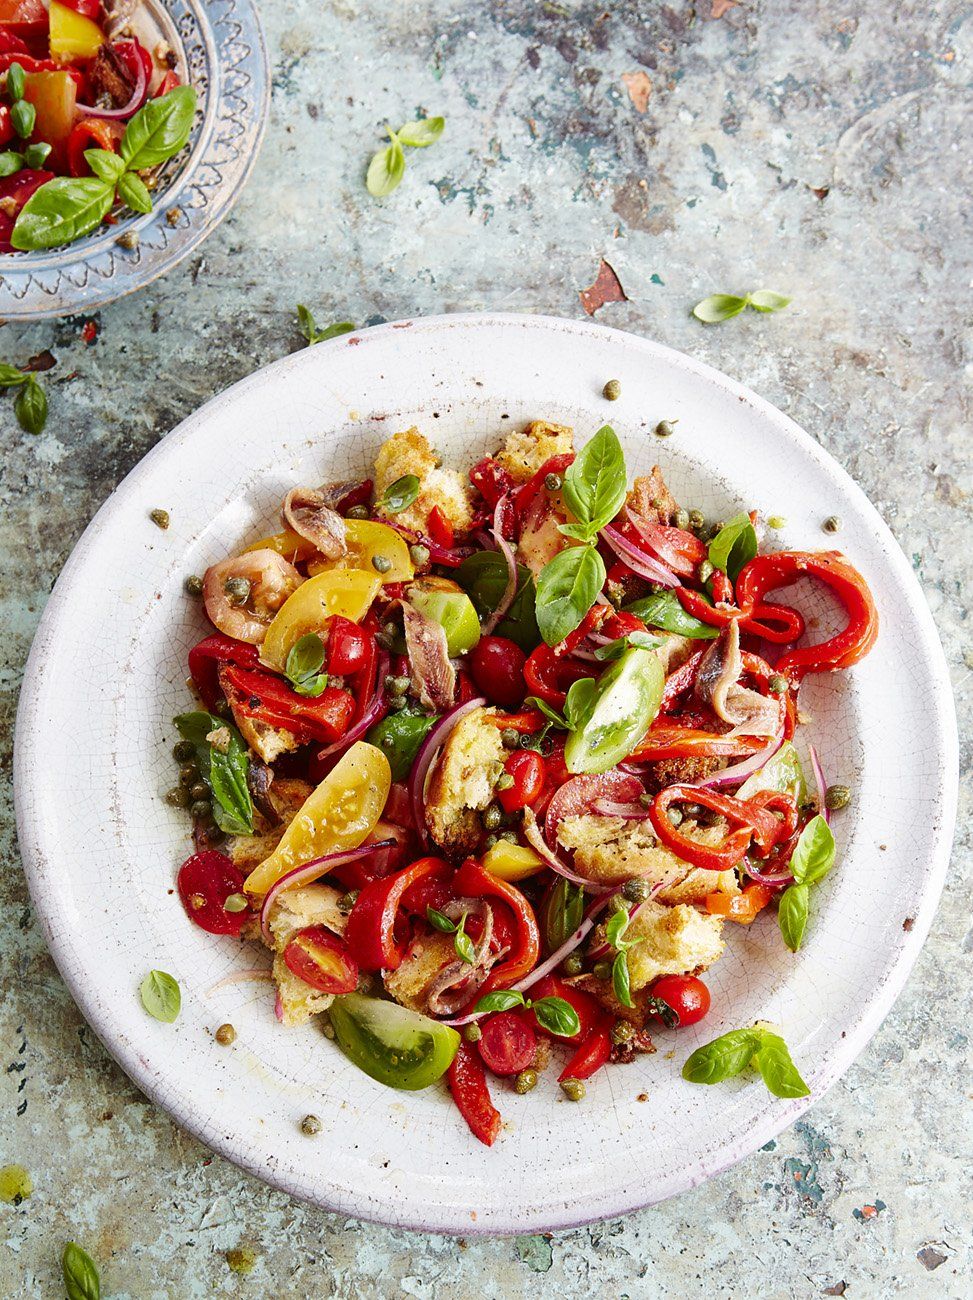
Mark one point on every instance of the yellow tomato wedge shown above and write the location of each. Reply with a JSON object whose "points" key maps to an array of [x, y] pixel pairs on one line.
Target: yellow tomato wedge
{"points": [[290, 545], [72, 35], [509, 861], [366, 539], [348, 592], [340, 814]]}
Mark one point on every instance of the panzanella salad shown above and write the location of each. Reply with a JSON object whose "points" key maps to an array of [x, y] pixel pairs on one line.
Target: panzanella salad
{"points": [[87, 115], [488, 761]]}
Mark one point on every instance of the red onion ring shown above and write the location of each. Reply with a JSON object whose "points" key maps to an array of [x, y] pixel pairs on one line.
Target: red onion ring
{"points": [[507, 599], [371, 715], [423, 760], [639, 561], [777, 881], [135, 103], [740, 771], [309, 871], [631, 812], [532, 833], [819, 781], [650, 535]]}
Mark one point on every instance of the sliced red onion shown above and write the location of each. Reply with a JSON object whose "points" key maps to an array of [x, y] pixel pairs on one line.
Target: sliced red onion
{"points": [[135, 103], [532, 833], [639, 561], [451, 556], [507, 599], [279, 1007], [773, 881], [240, 977], [371, 715], [423, 760], [655, 539], [740, 771], [309, 871], [820, 783], [631, 812]]}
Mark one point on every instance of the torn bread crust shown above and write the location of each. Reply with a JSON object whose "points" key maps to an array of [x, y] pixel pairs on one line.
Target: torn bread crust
{"points": [[267, 742], [295, 910], [651, 497], [427, 956], [462, 782], [525, 451], [410, 453]]}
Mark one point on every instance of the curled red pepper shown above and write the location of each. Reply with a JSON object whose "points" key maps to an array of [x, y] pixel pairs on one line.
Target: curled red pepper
{"points": [[370, 933], [265, 698], [474, 881], [753, 819], [666, 740], [778, 624], [206, 656], [595, 1049]]}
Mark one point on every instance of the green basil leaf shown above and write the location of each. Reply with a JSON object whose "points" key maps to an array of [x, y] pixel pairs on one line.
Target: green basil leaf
{"points": [[483, 576], [620, 980], [792, 913], [767, 300], [615, 929], [62, 210], [308, 327], [15, 82], [580, 702], [464, 947], [304, 661], [440, 921], [567, 587], [159, 129], [554, 718], [501, 1000], [35, 155], [11, 162], [225, 774], [10, 376], [595, 483], [400, 494], [30, 406], [733, 546], [81, 1281], [23, 116], [312, 687], [717, 307], [333, 331], [557, 1016], [107, 166], [776, 1067], [386, 169], [664, 611], [160, 996], [421, 134], [563, 913], [133, 192], [814, 853], [614, 649], [723, 1058], [399, 736]]}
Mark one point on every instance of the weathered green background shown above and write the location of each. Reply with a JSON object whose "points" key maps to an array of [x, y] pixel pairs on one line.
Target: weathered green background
{"points": [[818, 149]]}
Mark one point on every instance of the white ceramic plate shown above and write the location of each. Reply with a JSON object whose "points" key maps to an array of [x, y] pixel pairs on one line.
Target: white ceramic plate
{"points": [[107, 671]]}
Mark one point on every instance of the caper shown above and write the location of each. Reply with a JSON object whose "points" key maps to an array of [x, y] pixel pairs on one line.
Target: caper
{"points": [[419, 554], [837, 796], [183, 751], [510, 737], [705, 570], [160, 518], [347, 901], [193, 585], [397, 685], [602, 970], [128, 239], [384, 640], [188, 775], [682, 518], [777, 683], [237, 590], [492, 817], [615, 592], [178, 797], [612, 390], [199, 791], [235, 903], [472, 1032], [573, 964], [666, 428], [617, 904], [327, 1028], [622, 1032], [490, 840], [357, 512], [390, 629], [696, 520], [636, 890], [573, 1089], [310, 1126], [776, 521], [552, 482], [201, 808], [225, 1035], [509, 836], [222, 708], [504, 781], [388, 741], [716, 528], [675, 816], [525, 1080], [831, 524], [381, 563], [646, 799]]}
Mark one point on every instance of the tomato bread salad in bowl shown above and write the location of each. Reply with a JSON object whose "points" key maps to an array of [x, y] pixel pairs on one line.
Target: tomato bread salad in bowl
{"points": [[497, 759]]}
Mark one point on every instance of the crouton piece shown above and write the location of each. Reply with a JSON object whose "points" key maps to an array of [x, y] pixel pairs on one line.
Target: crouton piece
{"points": [[295, 910], [462, 782], [671, 941], [298, 1001], [410, 453], [680, 771], [525, 451], [610, 850], [426, 957], [266, 741], [650, 497]]}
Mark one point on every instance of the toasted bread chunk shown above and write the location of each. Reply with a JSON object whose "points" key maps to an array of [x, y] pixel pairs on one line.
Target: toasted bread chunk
{"points": [[526, 450], [426, 957], [671, 941], [292, 911], [410, 453], [462, 782], [651, 498]]}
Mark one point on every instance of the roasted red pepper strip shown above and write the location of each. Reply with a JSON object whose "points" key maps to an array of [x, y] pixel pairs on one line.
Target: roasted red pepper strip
{"points": [[765, 835], [473, 881], [266, 698], [751, 821], [743, 907], [440, 528], [206, 656], [665, 740], [468, 1084], [526, 494], [527, 722], [594, 618], [370, 933], [594, 1051], [778, 624], [548, 676], [30, 64], [767, 572]]}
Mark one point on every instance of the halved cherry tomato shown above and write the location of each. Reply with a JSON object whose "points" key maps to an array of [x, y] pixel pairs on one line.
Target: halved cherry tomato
{"points": [[685, 994], [320, 959], [205, 882], [91, 133], [507, 1043], [440, 528], [743, 907], [527, 769], [467, 1083], [497, 666], [347, 646]]}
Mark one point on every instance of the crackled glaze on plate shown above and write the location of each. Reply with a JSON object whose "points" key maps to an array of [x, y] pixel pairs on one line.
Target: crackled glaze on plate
{"points": [[101, 847]]}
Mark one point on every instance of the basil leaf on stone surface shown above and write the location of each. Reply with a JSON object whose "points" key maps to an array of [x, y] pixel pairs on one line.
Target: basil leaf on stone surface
{"points": [[400, 495], [595, 484], [386, 169], [422, 133], [81, 1280], [814, 853], [308, 327], [792, 914], [664, 611], [567, 587], [733, 546], [304, 660], [134, 193], [718, 307], [777, 1069], [107, 166], [30, 406], [223, 769], [621, 982], [11, 377], [483, 576], [160, 996], [767, 300], [159, 129], [62, 210], [557, 1016]]}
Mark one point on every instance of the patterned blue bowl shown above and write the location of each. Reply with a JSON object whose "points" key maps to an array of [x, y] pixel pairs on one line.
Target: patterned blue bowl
{"points": [[221, 49]]}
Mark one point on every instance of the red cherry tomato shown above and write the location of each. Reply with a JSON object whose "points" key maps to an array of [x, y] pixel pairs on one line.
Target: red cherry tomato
{"points": [[497, 667], [205, 882], [320, 959], [528, 771], [347, 646], [507, 1045], [440, 528], [688, 997]]}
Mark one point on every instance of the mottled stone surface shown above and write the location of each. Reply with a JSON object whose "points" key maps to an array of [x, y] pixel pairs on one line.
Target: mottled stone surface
{"points": [[810, 148]]}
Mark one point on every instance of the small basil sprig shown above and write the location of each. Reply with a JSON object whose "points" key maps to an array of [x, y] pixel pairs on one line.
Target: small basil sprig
{"points": [[30, 405], [615, 929], [733, 546], [616, 648], [664, 611], [578, 704], [399, 495], [567, 587], [595, 485], [730, 1054], [160, 996], [387, 167], [303, 666], [556, 1015], [223, 767], [67, 207], [462, 942], [308, 327], [722, 306], [812, 859], [81, 1280]]}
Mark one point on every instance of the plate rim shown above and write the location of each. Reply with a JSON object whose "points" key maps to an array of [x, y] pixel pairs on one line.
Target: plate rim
{"points": [[779, 1118]]}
